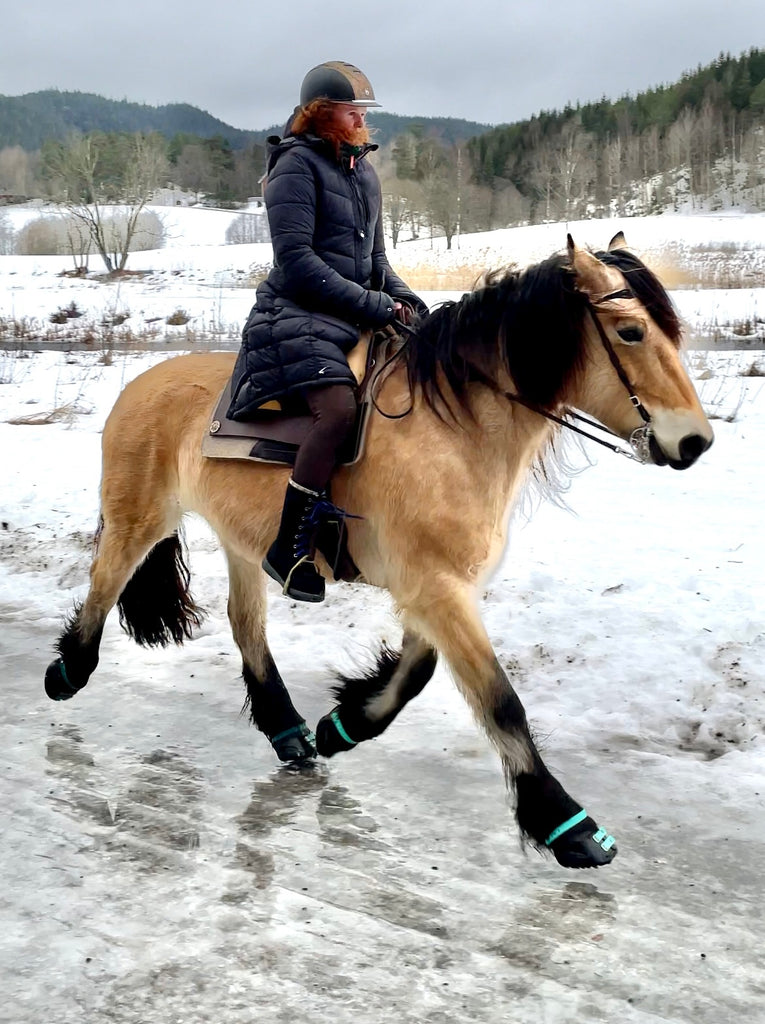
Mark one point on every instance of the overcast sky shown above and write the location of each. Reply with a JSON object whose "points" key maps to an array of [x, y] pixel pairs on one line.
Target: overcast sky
{"points": [[492, 61]]}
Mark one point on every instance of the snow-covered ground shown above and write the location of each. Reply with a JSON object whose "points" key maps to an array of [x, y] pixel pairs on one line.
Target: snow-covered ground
{"points": [[159, 866], [211, 283]]}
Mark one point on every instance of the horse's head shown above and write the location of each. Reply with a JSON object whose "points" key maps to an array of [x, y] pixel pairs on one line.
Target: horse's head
{"points": [[633, 365]]}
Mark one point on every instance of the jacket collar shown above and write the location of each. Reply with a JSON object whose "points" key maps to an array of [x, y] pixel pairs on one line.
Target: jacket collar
{"points": [[275, 146]]}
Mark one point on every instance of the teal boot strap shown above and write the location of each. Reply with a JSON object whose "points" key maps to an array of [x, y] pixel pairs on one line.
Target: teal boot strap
{"points": [[601, 837], [296, 730], [339, 726], [561, 829]]}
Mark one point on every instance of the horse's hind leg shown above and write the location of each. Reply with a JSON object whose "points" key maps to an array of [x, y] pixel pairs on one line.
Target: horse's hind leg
{"points": [[368, 703], [149, 612], [271, 708], [546, 814]]}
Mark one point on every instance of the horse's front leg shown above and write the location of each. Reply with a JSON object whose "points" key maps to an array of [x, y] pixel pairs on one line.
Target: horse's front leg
{"points": [[546, 814], [271, 708], [368, 703]]}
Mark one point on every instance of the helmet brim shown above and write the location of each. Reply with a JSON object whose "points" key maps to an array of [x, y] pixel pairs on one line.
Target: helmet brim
{"points": [[358, 103]]}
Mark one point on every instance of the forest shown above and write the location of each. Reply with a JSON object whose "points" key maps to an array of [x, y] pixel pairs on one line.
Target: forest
{"points": [[697, 144]]}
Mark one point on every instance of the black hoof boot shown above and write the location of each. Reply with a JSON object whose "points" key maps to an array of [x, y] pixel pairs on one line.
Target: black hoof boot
{"points": [[579, 843], [295, 744], [332, 737], [58, 685]]}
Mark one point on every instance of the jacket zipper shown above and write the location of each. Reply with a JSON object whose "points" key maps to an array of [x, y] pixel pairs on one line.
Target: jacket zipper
{"points": [[362, 210]]}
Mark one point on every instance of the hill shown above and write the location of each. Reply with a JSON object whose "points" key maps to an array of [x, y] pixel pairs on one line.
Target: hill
{"points": [[35, 118], [30, 120]]}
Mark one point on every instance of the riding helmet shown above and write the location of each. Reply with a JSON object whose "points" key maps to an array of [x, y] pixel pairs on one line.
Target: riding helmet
{"points": [[339, 82]]}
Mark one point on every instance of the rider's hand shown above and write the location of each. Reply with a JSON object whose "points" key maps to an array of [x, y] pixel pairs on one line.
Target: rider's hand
{"points": [[403, 312]]}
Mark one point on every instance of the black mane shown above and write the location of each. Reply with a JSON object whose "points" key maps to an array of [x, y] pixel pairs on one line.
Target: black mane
{"points": [[529, 323]]}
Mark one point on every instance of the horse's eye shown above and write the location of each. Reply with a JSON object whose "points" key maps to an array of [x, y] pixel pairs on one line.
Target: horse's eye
{"points": [[630, 335]]}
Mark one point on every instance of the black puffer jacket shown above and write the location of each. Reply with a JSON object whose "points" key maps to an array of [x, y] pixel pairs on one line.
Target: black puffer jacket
{"points": [[331, 277]]}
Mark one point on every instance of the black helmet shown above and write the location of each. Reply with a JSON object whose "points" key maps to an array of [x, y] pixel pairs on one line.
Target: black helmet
{"points": [[339, 82]]}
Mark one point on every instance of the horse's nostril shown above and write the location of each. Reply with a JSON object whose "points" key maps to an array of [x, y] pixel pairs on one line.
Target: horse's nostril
{"points": [[692, 446]]}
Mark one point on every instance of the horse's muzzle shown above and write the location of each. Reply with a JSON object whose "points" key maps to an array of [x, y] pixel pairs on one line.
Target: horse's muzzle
{"points": [[690, 449]]}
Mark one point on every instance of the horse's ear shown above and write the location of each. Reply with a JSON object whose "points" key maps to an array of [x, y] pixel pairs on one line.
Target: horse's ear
{"points": [[591, 275], [617, 242]]}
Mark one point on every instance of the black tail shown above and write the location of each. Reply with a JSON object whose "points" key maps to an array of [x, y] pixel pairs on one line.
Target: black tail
{"points": [[156, 607]]}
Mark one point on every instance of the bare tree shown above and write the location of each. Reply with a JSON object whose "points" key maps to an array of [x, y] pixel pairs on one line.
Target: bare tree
{"points": [[442, 203], [575, 168], [90, 198], [17, 172], [7, 236], [394, 204], [612, 172], [248, 228], [543, 178], [193, 169], [679, 146]]}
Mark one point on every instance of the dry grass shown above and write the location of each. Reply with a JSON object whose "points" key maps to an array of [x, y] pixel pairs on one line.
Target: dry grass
{"points": [[61, 414], [430, 278], [718, 265]]}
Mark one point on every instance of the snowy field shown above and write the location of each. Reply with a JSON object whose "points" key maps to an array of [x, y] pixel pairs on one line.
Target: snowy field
{"points": [[161, 868], [211, 283]]}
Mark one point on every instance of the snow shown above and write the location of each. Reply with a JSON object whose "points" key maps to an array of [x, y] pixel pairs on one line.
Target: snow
{"points": [[212, 283], [160, 866]]}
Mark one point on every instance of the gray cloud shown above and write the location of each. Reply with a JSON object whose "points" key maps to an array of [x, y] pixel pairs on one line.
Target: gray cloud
{"points": [[489, 60]]}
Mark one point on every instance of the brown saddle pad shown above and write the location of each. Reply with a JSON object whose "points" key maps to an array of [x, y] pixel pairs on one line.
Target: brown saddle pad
{"points": [[275, 434]]}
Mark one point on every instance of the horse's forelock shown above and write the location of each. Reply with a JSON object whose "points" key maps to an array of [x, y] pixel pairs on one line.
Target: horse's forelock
{"points": [[648, 290]]}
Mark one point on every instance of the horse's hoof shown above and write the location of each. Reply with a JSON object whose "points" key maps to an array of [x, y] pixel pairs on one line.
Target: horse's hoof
{"points": [[57, 683], [331, 736], [295, 744], [585, 846]]}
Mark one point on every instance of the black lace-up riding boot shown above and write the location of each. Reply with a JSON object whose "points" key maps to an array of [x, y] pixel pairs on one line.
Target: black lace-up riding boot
{"points": [[289, 560]]}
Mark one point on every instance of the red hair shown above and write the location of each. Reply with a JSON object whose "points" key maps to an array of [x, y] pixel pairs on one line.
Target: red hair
{"points": [[318, 117]]}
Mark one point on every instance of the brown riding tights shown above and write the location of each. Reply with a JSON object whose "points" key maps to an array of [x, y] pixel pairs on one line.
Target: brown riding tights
{"points": [[334, 412]]}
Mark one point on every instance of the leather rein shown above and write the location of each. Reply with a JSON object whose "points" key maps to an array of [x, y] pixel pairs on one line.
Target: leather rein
{"points": [[639, 438]]}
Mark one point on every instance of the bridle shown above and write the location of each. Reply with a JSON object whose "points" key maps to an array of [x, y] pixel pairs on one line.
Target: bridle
{"points": [[639, 439]]}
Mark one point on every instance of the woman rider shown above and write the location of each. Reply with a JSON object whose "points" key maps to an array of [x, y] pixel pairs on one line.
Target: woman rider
{"points": [[330, 280]]}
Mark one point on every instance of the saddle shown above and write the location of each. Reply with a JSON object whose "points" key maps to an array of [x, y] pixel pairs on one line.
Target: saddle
{"points": [[277, 430]]}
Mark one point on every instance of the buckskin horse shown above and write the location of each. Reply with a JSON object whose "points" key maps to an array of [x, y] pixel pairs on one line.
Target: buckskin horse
{"points": [[464, 413]]}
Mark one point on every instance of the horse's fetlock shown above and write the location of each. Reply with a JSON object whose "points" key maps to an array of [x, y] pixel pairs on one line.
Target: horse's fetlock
{"points": [[542, 804], [343, 729]]}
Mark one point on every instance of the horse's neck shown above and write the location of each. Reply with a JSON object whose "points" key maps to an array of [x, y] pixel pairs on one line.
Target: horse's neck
{"points": [[492, 450], [504, 439], [489, 454]]}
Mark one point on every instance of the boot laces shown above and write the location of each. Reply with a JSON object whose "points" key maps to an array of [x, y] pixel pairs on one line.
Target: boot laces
{"points": [[320, 510]]}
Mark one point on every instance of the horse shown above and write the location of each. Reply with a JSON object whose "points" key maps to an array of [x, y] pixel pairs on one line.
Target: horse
{"points": [[468, 410]]}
